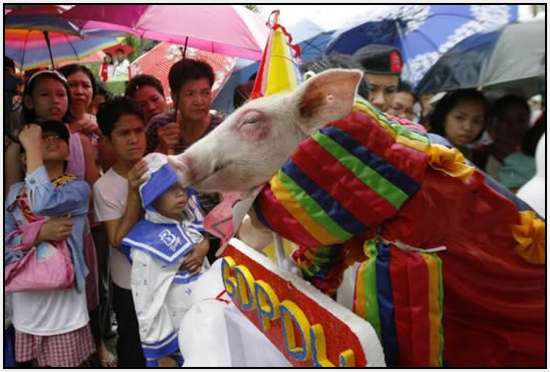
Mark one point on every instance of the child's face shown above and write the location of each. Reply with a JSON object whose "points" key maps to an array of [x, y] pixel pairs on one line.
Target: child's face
{"points": [[464, 122], [172, 203], [48, 99], [128, 138], [54, 148]]}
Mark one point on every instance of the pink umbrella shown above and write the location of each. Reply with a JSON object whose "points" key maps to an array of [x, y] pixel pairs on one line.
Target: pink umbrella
{"points": [[159, 60], [230, 30]]}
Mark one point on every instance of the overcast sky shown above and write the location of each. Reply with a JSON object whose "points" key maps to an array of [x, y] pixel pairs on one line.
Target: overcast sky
{"points": [[330, 17]]}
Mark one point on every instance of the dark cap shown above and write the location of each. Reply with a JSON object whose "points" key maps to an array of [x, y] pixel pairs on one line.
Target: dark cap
{"points": [[379, 59], [56, 127]]}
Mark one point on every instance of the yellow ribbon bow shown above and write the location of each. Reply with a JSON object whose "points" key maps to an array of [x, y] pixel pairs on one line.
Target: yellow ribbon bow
{"points": [[449, 161], [529, 235]]}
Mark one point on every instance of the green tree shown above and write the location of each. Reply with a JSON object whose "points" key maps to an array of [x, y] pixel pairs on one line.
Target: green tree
{"points": [[139, 46]]}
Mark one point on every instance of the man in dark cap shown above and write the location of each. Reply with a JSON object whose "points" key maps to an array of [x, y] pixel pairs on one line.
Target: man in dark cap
{"points": [[382, 65]]}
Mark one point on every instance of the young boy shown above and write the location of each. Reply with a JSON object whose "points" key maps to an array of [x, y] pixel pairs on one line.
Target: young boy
{"points": [[167, 251], [116, 203]]}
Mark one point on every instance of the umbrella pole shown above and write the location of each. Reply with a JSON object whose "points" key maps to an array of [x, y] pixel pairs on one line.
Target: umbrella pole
{"points": [[72, 47], [24, 50], [47, 36], [185, 47]]}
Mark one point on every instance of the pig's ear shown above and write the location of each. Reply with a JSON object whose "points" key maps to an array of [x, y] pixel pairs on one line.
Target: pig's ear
{"points": [[326, 97]]}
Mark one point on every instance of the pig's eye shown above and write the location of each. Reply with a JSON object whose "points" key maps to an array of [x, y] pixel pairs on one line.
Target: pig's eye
{"points": [[253, 126], [251, 119]]}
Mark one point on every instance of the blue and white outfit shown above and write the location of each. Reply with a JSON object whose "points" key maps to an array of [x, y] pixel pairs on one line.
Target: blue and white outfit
{"points": [[156, 246]]}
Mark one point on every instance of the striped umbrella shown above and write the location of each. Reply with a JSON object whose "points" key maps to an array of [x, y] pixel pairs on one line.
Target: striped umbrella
{"points": [[35, 36], [29, 48]]}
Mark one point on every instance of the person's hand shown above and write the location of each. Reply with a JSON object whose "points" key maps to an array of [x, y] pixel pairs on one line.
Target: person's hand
{"points": [[87, 125], [57, 228], [31, 136], [136, 175], [194, 260], [167, 362], [17, 100], [168, 138]]}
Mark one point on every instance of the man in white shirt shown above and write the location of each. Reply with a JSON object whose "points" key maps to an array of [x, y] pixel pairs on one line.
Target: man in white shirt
{"points": [[120, 67], [117, 205]]}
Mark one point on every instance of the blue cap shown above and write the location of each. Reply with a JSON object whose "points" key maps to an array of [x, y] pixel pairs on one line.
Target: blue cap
{"points": [[159, 181]]}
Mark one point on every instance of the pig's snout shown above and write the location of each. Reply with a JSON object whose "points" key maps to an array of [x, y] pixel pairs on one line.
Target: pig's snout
{"points": [[182, 164]]}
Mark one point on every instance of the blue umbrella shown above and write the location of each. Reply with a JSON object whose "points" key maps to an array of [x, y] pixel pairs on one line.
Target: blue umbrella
{"points": [[421, 32], [313, 47]]}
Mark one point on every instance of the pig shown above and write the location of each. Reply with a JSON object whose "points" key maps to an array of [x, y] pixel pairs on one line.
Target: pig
{"points": [[491, 245], [255, 141]]}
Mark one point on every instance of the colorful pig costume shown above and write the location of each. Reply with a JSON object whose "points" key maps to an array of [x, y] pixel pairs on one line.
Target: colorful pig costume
{"points": [[157, 246], [452, 266]]}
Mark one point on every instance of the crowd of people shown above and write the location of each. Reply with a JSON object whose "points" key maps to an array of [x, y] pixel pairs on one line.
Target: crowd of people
{"points": [[90, 170], [499, 137]]}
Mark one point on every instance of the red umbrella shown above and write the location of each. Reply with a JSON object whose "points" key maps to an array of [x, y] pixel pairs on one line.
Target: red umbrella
{"points": [[157, 62], [125, 47]]}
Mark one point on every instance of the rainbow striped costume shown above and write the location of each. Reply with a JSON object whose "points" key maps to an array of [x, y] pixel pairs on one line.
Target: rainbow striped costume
{"points": [[423, 223]]}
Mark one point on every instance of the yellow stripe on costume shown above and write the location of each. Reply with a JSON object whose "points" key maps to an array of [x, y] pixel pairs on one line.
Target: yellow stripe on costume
{"points": [[360, 301], [365, 110], [435, 313], [297, 211], [417, 145]]}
